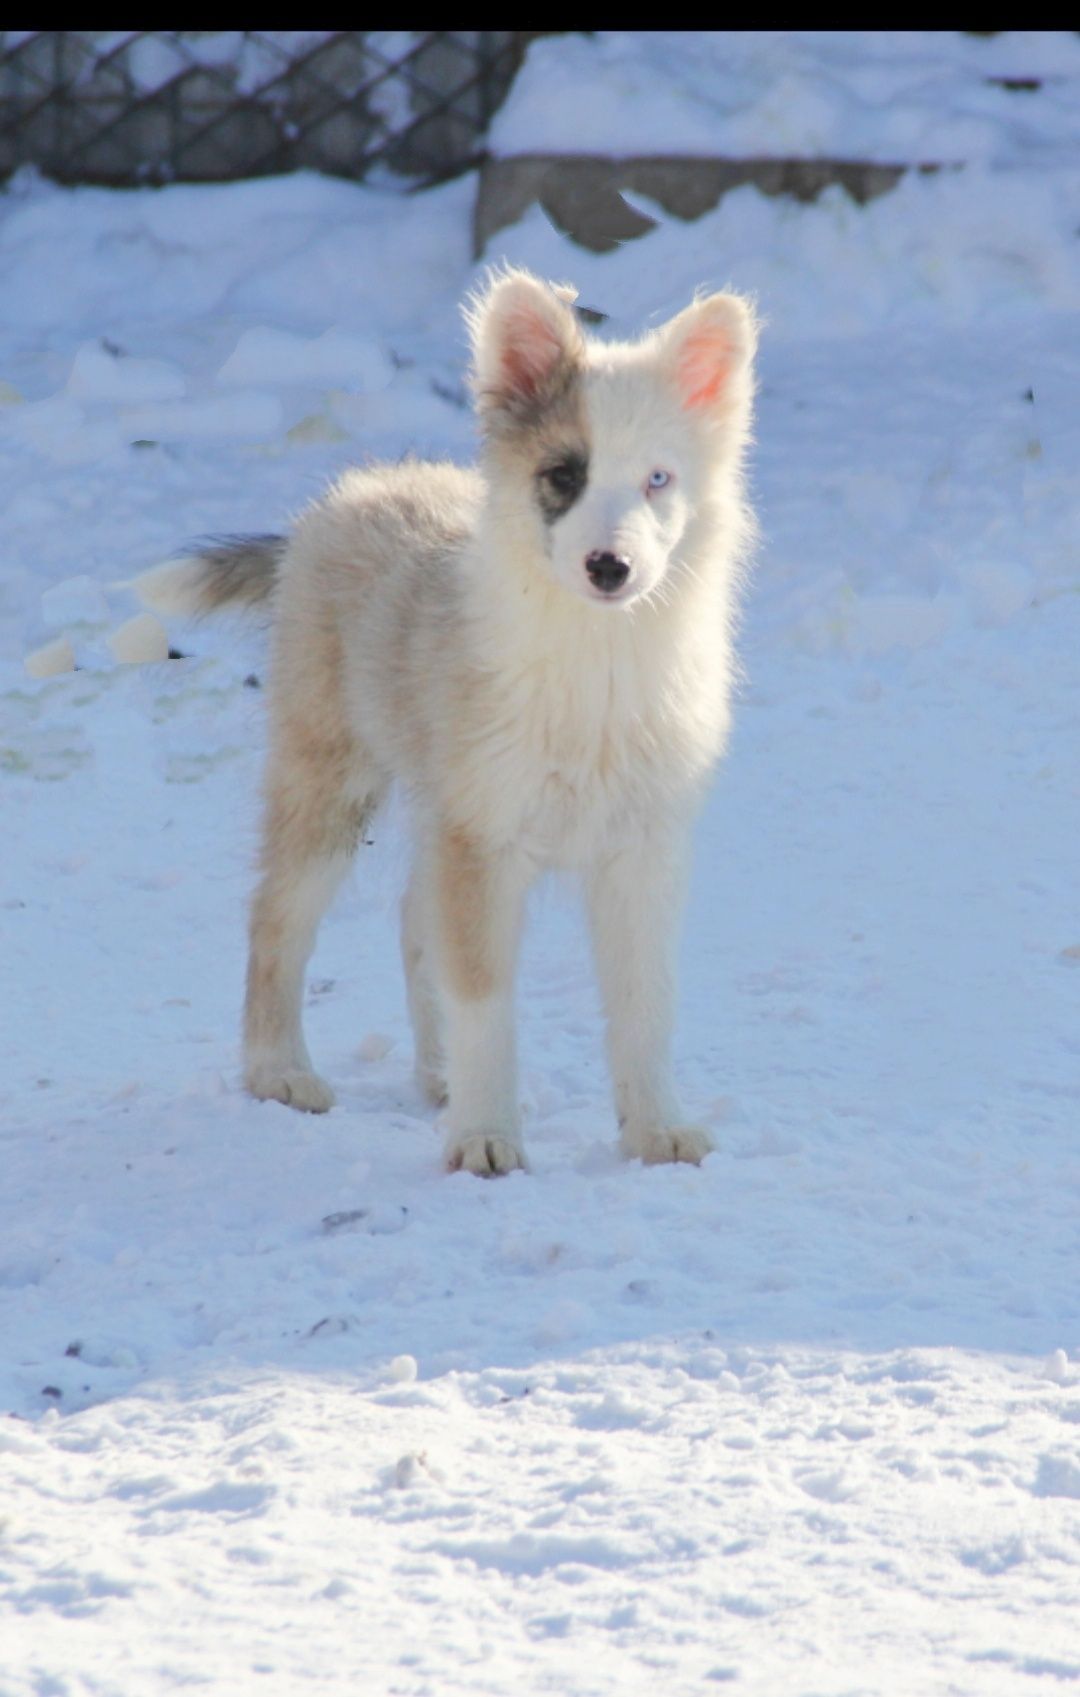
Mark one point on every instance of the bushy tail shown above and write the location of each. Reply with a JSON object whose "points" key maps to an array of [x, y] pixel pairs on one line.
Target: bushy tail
{"points": [[228, 571]]}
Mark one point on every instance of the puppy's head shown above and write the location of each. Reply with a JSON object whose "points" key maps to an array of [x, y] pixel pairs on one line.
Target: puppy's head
{"points": [[605, 452]]}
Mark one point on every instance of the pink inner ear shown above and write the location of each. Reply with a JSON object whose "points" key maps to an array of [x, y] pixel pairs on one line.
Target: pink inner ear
{"points": [[705, 362], [529, 352]]}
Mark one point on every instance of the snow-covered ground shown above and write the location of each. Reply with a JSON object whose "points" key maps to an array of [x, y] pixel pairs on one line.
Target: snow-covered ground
{"points": [[285, 1408]]}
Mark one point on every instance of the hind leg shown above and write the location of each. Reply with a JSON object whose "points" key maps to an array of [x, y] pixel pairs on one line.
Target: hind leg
{"points": [[425, 1008], [313, 822]]}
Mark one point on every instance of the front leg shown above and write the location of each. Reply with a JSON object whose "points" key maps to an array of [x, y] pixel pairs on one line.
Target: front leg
{"points": [[635, 899], [479, 901]]}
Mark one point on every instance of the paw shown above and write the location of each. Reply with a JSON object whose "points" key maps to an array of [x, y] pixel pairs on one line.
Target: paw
{"points": [[678, 1143], [485, 1155], [293, 1086]]}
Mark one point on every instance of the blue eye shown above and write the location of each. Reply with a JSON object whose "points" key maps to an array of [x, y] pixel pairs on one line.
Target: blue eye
{"points": [[659, 479]]}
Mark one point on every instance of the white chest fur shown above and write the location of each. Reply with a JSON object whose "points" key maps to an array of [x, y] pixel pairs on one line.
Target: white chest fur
{"points": [[578, 726]]}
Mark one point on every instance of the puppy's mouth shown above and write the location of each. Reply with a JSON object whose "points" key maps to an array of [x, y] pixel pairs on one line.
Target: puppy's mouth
{"points": [[628, 591]]}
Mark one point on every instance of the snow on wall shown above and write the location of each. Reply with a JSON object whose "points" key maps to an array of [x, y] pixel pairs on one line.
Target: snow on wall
{"points": [[897, 96]]}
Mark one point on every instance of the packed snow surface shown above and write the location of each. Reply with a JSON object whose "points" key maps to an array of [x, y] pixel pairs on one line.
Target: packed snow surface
{"points": [[283, 1408]]}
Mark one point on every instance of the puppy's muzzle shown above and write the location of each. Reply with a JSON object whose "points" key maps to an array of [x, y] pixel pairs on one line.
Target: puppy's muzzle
{"points": [[607, 572]]}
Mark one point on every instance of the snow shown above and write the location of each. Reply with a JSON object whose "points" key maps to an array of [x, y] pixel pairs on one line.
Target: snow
{"points": [[335, 357], [139, 639], [99, 372], [78, 601], [286, 1408], [51, 658], [894, 96]]}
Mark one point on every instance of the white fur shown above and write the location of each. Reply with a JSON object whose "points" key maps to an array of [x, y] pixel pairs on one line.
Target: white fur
{"points": [[441, 629]]}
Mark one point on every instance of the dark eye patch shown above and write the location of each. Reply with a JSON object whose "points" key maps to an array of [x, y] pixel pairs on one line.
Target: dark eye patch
{"points": [[559, 483]]}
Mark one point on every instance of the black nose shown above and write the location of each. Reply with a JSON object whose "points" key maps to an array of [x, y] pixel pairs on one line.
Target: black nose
{"points": [[607, 571]]}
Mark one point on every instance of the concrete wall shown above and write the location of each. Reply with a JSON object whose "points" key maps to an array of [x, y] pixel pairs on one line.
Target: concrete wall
{"points": [[581, 193]]}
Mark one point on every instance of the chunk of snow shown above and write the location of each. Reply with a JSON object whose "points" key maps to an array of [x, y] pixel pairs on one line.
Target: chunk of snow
{"points": [[1057, 1476], [382, 1220], [99, 375], [407, 1471], [76, 601], [403, 1369], [139, 640], [60, 429], [997, 591], [315, 427], [51, 659], [266, 355], [374, 1047], [247, 415]]}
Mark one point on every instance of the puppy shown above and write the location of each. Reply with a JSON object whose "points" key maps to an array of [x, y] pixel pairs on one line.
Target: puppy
{"points": [[540, 652]]}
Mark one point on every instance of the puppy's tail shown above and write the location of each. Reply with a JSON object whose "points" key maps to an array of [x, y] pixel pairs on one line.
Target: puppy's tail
{"points": [[230, 571]]}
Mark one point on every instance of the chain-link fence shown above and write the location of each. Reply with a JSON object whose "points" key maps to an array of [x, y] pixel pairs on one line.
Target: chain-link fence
{"points": [[124, 107]]}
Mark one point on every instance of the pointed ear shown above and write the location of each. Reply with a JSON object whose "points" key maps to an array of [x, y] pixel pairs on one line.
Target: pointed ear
{"points": [[526, 345], [708, 351]]}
